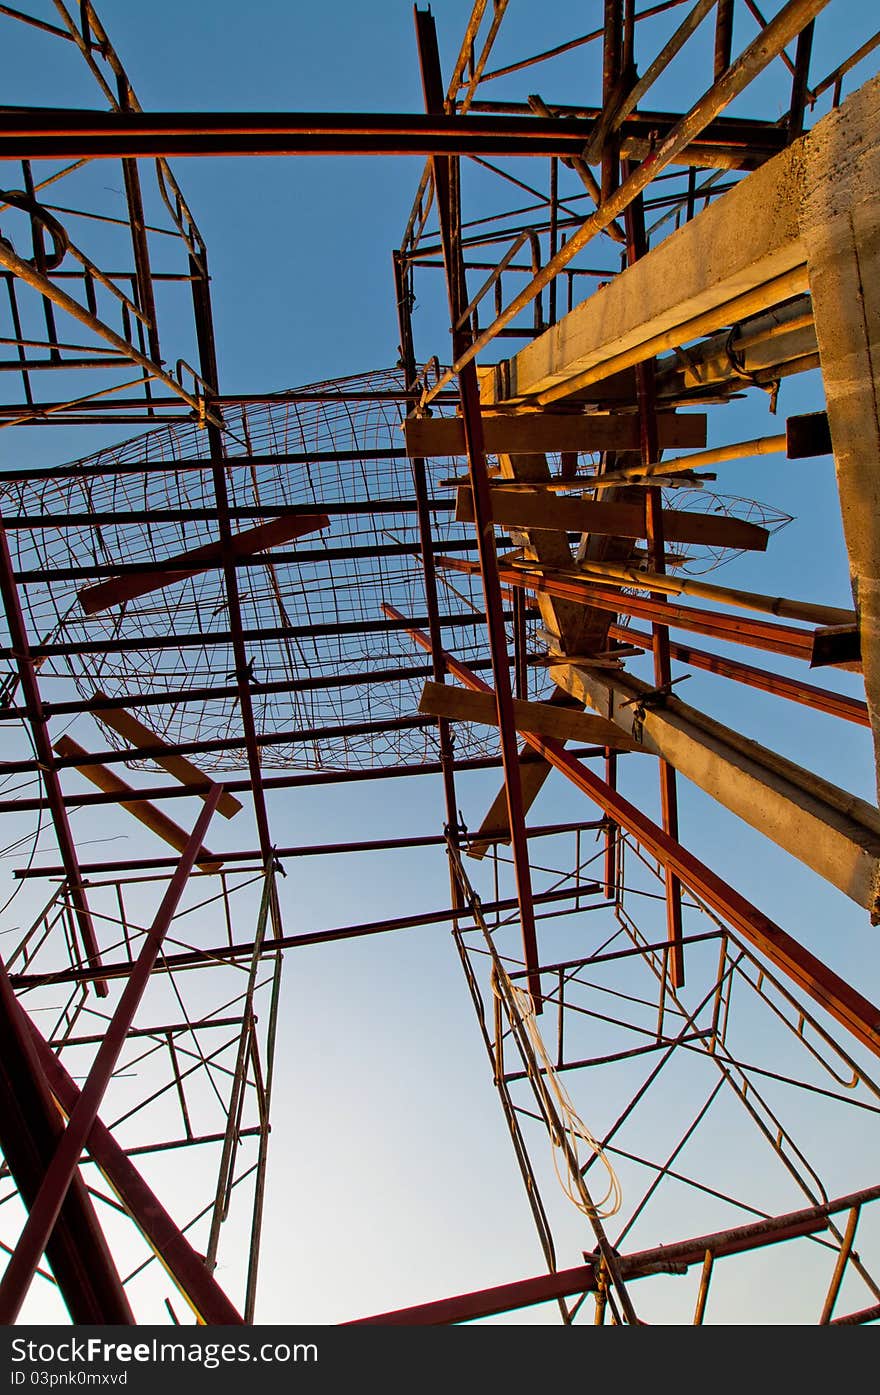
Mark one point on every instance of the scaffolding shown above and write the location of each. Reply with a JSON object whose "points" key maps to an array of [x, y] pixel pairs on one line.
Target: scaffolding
{"points": [[431, 569]]}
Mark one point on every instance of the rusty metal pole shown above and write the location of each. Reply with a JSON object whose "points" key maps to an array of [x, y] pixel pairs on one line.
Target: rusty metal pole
{"points": [[30, 1128], [723, 37], [637, 246], [585, 1278], [445, 181], [844, 1002], [27, 273], [183, 1263], [611, 71], [24, 659], [800, 92], [50, 1198]]}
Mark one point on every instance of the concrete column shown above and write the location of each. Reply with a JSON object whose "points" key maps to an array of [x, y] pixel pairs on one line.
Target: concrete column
{"points": [[840, 230]]}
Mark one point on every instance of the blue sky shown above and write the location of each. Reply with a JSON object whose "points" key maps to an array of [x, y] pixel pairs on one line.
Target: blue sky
{"points": [[392, 1180]]}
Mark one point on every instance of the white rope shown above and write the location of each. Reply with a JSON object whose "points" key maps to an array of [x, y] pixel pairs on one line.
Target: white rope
{"points": [[574, 1129]]}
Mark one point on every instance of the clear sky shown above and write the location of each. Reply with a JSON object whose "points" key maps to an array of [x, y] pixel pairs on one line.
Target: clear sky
{"points": [[392, 1179]]}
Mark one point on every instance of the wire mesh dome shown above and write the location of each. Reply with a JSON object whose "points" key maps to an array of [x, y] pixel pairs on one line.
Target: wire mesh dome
{"points": [[335, 683], [316, 637]]}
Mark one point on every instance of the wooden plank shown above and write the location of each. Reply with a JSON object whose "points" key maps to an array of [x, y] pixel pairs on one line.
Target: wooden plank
{"points": [[532, 774], [545, 511], [146, 813], [580, 629], [807, 436], [541, 718], [117, 589], [136, 734], [550, 431]]}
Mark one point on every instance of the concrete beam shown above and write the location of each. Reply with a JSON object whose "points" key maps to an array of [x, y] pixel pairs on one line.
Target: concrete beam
{"points": [[831, 831], [840, 229], [765, 227], [745, 239], [811, 212]]}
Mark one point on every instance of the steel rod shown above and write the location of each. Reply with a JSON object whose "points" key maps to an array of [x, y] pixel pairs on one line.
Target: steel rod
{"points": [[584, 1278], [226, 953], [839, 998], [43, 1213], [769, 43], [446, 185], [822, 699]]}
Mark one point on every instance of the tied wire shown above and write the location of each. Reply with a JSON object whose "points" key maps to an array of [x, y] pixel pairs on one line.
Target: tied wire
{"points": [[574, 1130]]}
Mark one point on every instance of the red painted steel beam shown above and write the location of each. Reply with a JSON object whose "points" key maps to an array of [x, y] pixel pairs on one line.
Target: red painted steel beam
{"points": [[30, 1127], [24, 522], [192, 464], [266, 535], [202, 639], [525, 1293], [735, 629], [44, 1212], [298, 557], [185, 1265], [445, 182], [208, 368], [280, 782], [196, 693], [863, 1315], [140, 404], [51, 134], [226, 953], [821, 699], [843, 1002], [38, 133], [22, 654], [424, 840]]}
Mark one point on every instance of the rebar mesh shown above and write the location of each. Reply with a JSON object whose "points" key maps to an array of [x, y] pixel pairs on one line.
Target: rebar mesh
{"points": [[330, 607], [316, 635]]}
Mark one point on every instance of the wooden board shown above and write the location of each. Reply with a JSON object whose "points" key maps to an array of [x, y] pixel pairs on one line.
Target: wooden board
{"points": [[117, 589], [133, 731], [560, 723], [515, 509], [532, 775], [533, 772], [550, 431], [142, 809]]}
